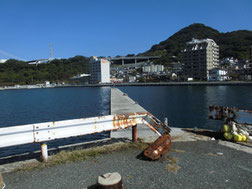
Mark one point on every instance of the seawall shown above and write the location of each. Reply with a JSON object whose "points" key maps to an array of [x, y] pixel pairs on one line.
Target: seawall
{"points": [[205, 83]]}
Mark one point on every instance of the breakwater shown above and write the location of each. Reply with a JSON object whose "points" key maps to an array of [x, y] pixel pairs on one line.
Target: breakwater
{"points": [[194, 83]]}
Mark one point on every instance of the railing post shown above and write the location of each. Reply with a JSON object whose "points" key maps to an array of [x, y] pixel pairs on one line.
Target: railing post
{"points": [[134, 133], [44, 152], [166, 121]]}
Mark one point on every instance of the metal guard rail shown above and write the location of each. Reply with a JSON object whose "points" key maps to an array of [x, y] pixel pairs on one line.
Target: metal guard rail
{"points": [[42, 132]]}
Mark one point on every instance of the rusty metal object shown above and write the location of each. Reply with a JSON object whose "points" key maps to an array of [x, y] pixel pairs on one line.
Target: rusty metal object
{"points": [[159, 148], [42, 132], [230, 114], [240, 122]]}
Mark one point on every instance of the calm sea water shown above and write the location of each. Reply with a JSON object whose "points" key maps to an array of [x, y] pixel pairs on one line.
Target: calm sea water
{"points": [[184, 106], [187, 106], [19, 107]]}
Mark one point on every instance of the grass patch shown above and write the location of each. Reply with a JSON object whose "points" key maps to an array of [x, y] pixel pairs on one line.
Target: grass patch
{"points": [[172, 165], [172, 168], [172, 160], [81, 155], [177, 151], [1, 180]]}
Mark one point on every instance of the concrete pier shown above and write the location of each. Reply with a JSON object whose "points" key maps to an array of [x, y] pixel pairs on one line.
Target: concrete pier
{"points": [[120, 103]]}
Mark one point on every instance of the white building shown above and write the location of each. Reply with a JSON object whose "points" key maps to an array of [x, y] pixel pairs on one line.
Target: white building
{"points": [[218, 75], [153, 68], [99, 69]]}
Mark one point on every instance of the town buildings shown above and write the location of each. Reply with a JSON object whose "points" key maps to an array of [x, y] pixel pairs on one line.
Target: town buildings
{"points": [[152, 68], [99, 69], [217, 74], [199, 57]]}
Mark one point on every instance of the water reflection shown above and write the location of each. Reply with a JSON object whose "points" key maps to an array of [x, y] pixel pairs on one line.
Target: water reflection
{"points": [[187, 106]]}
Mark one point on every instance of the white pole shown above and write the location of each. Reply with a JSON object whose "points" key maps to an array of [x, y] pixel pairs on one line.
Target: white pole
{"points": [[166, 121], [44, 152]]}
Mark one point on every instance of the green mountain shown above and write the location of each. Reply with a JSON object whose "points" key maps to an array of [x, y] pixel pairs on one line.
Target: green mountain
{"points": [[59, 70], [235, 44]]}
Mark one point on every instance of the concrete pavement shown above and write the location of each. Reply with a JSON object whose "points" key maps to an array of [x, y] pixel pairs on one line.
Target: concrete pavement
{"points": [[196, 164]]}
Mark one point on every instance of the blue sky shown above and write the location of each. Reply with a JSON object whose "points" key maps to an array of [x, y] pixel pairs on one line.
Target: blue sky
{"points": [[107, 27]]}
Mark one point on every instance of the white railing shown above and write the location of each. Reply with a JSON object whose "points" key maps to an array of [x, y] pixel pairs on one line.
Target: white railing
{"points": [[42, 132]]}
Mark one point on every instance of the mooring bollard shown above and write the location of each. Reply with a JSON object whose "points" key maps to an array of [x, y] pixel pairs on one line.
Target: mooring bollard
{"points": [[134, 134], [44, 152], [110, 181]]}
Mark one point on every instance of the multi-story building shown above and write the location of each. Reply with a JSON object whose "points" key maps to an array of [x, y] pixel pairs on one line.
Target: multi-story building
{"points": [[199, 57], [153, 68], [99, 69]]}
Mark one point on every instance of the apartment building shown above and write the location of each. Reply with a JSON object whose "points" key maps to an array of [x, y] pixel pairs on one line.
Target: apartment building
{"points": [[152, 68], [199, 57], [99, 69]]}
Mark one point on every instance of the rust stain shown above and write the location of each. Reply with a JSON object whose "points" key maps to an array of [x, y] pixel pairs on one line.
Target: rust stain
{"points": [[134, 122], [114, 122], [125, 121], [34, 135]]}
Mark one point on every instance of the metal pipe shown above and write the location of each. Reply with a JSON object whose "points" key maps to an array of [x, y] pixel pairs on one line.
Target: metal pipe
{"points": [[134, 134]]}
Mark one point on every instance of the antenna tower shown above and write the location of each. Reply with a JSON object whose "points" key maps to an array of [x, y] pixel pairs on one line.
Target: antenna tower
{"points": [[51, 51]]}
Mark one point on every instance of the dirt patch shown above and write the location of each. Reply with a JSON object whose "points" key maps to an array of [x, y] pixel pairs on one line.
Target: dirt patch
{"points": [[80, 155], [172, 164]]}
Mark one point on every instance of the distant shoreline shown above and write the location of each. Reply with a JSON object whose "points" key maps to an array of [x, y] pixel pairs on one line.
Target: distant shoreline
{"points": [[234, 83], [229, 83]]}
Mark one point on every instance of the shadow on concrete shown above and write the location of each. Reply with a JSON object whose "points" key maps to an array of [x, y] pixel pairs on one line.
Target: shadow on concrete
{"points": [[141, 156], [207, 133], [95, 186]]}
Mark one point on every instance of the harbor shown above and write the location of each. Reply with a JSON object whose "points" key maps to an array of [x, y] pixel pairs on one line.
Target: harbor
{"points": [[194, 160], [121, 95]]}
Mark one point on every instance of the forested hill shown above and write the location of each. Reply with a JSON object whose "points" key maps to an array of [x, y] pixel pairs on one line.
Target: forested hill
{"points": [[232, 44], [59, 70]]}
